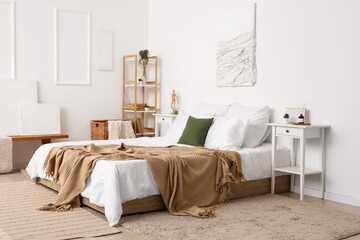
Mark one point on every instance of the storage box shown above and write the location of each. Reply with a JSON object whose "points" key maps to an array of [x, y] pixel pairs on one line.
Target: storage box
{"points": [[99, 129]]}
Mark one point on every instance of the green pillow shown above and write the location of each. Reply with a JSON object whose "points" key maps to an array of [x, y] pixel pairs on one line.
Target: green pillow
{"points": [[195, 131]]}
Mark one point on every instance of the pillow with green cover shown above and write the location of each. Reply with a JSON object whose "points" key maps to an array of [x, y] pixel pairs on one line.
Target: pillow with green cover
{"points": [[195, 131]]}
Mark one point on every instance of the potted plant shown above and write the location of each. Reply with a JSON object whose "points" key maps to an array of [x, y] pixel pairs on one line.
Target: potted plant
{"points": [[144, 61], [147, 107], [140, 81], [286, 117]]}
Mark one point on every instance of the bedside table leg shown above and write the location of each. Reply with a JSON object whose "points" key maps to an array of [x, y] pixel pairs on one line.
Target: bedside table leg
{"points": [[302, 166], [322, 159], [293, 154], [157, 129], [273, 156]]}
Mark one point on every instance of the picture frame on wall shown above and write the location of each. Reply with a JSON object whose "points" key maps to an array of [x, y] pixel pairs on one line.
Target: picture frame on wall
{"points": [[72, 34], [294, 113]]}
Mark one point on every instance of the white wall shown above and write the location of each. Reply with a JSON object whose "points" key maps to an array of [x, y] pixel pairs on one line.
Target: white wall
{"points": [[308, 51], [79, 104]]}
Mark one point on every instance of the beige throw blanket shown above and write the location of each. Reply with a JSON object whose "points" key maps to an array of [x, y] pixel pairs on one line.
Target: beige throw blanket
{"points": [[120, 129], [190, 179]]}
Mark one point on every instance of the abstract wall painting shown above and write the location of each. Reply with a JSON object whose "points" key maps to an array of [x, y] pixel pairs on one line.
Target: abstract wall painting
{"points": [[236, 44]]}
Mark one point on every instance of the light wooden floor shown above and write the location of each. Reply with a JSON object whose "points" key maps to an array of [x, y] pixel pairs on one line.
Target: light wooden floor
{"points": [[129, 235]]}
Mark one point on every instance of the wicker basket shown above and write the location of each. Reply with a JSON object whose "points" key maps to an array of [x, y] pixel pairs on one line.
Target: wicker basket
{"points": [[99, 129]]}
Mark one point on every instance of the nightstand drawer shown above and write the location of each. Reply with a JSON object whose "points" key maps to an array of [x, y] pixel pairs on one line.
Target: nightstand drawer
{"points": [[165, 120], [288, 131]]}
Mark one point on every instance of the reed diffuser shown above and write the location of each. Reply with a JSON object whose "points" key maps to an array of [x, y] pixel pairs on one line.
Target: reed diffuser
{"points": [[301, 115]]}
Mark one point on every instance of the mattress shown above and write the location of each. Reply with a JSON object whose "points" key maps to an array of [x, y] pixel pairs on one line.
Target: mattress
{"points": [[115, 182]]}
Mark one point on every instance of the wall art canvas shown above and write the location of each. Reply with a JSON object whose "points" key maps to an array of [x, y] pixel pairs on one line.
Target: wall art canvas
{"points": [[20, 112], [236, 44], [12, 94], [40, 118]]}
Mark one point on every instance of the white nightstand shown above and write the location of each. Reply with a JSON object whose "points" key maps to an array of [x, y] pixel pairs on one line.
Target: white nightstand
{"points": [[301, 132], [160, 119]]}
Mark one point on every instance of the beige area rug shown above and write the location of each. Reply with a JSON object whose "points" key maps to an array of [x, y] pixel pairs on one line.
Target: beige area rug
{"points": [[19, 218], [262, 217]]}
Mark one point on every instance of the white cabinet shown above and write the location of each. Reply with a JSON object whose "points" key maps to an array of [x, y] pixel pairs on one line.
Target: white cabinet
{"points": [[301, 132], [163, 119]]}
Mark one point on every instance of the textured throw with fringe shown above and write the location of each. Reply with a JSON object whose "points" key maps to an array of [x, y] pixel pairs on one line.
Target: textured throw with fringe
{"points": [[191, 180]]}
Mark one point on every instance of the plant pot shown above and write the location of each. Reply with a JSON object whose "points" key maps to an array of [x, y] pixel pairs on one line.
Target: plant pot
{"points": [[146, 109], [286, 120]]}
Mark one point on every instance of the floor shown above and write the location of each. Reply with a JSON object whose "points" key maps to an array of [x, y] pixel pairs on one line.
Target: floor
{"points": [[129, 235]]}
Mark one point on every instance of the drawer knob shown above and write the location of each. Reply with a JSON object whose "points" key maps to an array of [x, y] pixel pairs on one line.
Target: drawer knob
{"points": [[163, 119], [287, 131]]}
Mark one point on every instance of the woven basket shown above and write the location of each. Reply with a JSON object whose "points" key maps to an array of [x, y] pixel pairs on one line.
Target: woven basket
{"points": [[99, 129]]}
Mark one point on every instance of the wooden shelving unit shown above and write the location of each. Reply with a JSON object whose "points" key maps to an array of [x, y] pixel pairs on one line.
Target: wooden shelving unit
{"points": [[132, 85]]}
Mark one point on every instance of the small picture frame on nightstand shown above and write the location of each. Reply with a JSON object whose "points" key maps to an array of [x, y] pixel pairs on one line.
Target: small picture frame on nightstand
{"points": [[294, 114]]}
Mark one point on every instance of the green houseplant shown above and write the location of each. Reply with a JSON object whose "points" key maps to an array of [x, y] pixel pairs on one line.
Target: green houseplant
{"points": [[286, 117], [144, 61]]}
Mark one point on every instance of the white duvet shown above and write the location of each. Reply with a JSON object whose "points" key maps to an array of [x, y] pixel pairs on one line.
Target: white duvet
{"points": [[115, 182]]}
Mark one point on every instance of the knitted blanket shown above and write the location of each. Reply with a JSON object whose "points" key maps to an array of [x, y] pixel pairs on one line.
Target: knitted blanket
{"points": [[6, 161], [191, 180]]}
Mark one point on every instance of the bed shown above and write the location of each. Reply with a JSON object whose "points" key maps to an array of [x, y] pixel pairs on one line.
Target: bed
{"points": [[125, 187]]}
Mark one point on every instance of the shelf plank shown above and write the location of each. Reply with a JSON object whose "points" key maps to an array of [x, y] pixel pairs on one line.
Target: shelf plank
{"points": [[296, 170], [141, 85], [38, 137], [145, 134], [140, 111]]}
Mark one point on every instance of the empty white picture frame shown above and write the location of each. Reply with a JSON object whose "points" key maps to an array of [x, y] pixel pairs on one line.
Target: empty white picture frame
{"points": [[7, 40], [72, 47], [106, 50], [40, 118]]}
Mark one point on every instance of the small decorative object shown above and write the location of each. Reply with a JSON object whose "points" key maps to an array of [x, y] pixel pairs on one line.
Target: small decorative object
{"points": [[176, 111], [301, 118], [286, 117], [294, 113], [140, 81], [174, 100], [144, 61], [146, 107]]}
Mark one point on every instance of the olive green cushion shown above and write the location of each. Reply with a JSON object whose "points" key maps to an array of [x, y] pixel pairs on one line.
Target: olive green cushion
{"points": [[195, 131]]}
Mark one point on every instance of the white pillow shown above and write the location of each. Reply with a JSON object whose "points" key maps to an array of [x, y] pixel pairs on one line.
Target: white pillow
{"points": [[226, 133], [258, 120], [216, 110], [177, 127], [266, 135]]}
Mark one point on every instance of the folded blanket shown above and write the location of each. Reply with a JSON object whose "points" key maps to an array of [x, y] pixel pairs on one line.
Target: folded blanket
{"points": [[190, 180], [120, 130], [6, 161]]}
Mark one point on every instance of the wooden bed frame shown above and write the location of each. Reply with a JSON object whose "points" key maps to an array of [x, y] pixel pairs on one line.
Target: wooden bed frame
{"points": [[155, 202]]}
